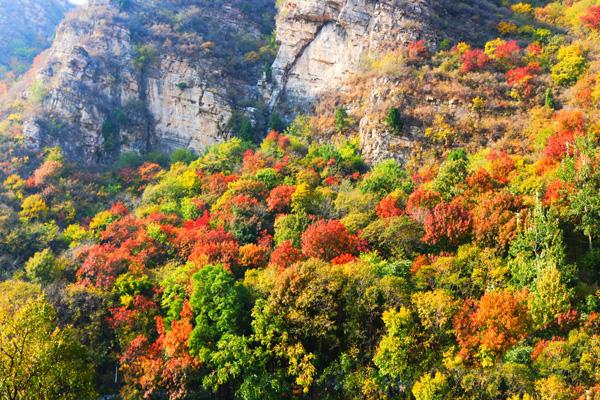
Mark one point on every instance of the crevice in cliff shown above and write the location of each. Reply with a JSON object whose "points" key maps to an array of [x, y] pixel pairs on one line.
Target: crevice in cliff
{"points": [[143, 95], [286, 70]]}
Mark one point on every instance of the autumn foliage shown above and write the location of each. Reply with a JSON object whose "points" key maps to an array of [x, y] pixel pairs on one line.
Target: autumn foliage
{"points": [[164, 363], [285, 255], [448, 223], [329, 239], [474, 60], [494, 323], [592, 18], [429, 232], [280, 198], [388, 207]]}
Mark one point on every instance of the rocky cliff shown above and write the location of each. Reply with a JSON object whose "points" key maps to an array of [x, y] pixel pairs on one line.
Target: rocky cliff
{"points": [[26, 27], [323, 42], [143, 75], [327, 46]]}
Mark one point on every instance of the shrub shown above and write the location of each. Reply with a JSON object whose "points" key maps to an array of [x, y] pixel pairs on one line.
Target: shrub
{"points": [[522, 8], [38, 91], [144, 55], [474, 60], [522, 80], [507, 28], [416, 51], [549, 101], [341, 119], [276, 123], [592, 18], [394, 120], [185, 156], [571, 64], [508, 52]]}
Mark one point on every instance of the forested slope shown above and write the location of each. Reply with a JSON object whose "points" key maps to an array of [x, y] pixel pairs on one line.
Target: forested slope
{"points": [[430, 232]]}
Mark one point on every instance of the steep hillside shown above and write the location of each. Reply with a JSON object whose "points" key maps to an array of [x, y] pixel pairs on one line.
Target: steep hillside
{"points": [[323, 44], [26, 27], [147, 75], [426, 227], [143, 75], [455, 90]]}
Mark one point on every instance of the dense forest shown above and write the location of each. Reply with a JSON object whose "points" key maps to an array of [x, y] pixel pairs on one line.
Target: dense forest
{"points": [[283, 265]]}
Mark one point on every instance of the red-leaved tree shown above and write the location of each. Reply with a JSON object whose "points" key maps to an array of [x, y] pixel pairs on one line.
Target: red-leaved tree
{"points": [[447, 223], [329, 239], [592, 18], [420, 202], [215, 246], [285, 255], [280, 198], [523, 79], [388, 207], [165, 364], [495, 218]]}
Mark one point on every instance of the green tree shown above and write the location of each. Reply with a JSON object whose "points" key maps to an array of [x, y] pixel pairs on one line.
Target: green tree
{"points": [[276, 123], [144, 54], [394, 120], [539, 244], [393, 357], [242, 126], [341, 119], [550, 297], [42, 267], [185, 156], [38, 91], [452, 174], [549, 101], [397, 236], [584, 201], [217, 306], [386, 177]]}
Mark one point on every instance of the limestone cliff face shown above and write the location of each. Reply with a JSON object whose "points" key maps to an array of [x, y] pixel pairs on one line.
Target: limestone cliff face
{"points": [[87, 73], [151, 76], [323, 42], [323, 47], [188, 111], [147, 75]]}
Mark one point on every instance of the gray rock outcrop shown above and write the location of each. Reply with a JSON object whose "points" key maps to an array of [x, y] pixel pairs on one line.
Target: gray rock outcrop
{"points": [[122, 79], [324, 42]]}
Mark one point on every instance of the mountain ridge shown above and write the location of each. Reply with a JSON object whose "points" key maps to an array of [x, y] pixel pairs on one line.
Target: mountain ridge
{"points": [[193, 95], [26, 27]]}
